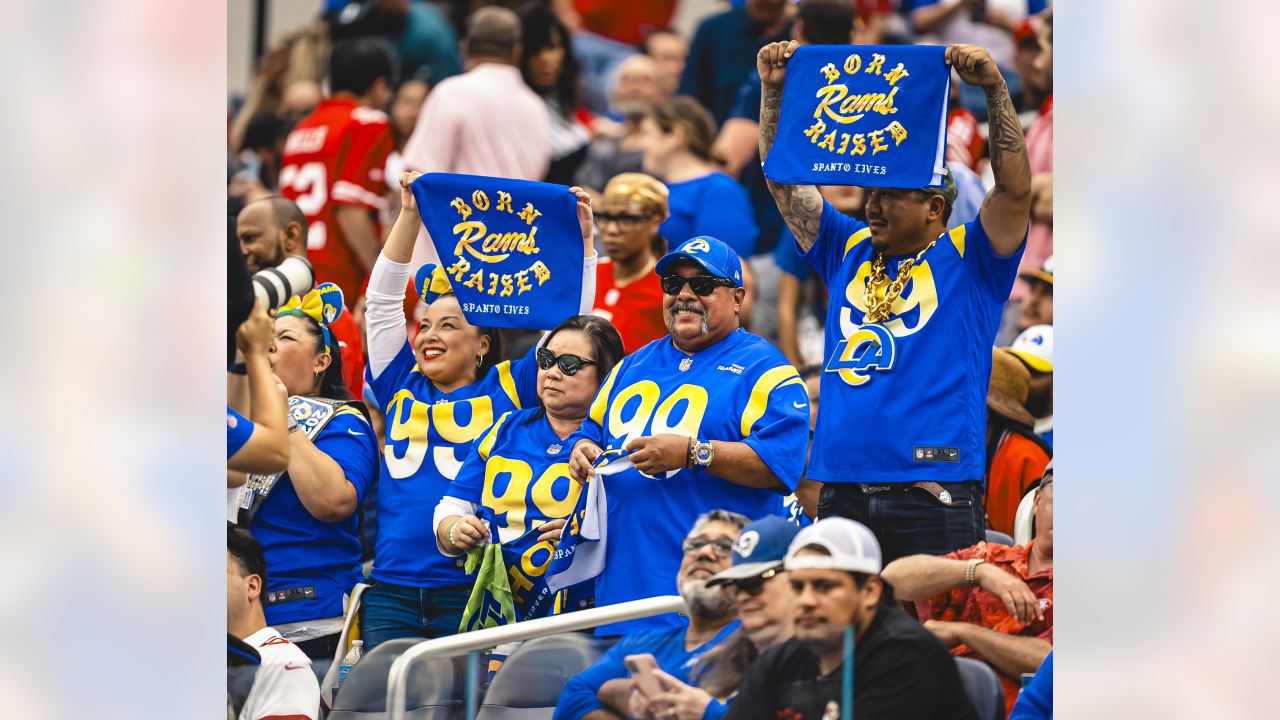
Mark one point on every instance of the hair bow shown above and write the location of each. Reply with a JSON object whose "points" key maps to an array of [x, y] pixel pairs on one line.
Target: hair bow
{"points": [[431, 282], [324, 304]]}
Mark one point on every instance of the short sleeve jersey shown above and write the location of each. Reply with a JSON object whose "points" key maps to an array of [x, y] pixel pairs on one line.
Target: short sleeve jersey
{"points": [[635, 309], [336, 156], [428, 434], [239, 430], [313, 562], [739, 390], [716, 205], [905, 400], [518, 475]]}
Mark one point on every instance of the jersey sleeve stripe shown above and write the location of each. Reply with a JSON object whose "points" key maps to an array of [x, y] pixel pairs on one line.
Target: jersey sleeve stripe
{"points": [[486, 445], [759, 400], [854, 239], [957, 238], [601, 403], [350, 192], [508, 383]]}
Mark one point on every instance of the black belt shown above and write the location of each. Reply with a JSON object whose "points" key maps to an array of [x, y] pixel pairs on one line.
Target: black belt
{"points": [[937, 490]]}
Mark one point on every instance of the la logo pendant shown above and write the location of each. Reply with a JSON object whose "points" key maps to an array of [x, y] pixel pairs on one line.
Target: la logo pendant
{"points": [[685, 364]]}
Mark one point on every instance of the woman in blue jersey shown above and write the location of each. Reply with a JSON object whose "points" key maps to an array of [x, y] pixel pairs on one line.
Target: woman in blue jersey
{"points": [[517, 481], [439, 393], [305, 518], [676, 136]]}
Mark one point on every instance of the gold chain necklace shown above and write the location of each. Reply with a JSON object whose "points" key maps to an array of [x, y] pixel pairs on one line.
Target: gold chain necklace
{"points": [[877, 307]]}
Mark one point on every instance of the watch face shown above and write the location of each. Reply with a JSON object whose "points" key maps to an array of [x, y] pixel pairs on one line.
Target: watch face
{"points": [[703, 453]]}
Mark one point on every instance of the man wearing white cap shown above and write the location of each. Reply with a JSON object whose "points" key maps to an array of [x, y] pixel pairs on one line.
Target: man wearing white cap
{"points": [[1034, 347], [900, 670]]}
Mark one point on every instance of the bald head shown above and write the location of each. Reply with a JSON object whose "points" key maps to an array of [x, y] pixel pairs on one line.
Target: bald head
{"points": [[493, 33], [637, 83]]}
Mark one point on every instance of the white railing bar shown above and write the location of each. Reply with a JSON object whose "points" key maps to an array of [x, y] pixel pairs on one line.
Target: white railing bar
{"points": [[446, 647]]}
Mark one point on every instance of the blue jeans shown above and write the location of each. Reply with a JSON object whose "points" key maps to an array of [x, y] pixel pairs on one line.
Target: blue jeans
{"points": [[907, 520], [389, 612]]}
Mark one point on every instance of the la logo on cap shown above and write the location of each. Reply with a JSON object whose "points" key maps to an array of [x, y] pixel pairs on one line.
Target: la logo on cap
{"points": [[746, 543], [696, 246]]}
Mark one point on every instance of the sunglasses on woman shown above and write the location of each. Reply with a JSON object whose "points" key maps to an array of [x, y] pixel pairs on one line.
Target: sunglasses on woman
{"points": [[753, 586], [702, 285], [625, 221], [569, 364]]}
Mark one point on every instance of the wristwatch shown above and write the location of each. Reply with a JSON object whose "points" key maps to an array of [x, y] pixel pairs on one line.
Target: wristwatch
{"points": [[702, 454]]}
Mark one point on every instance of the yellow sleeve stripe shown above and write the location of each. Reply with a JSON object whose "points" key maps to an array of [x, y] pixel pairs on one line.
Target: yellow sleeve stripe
{"points": [[486, 445], [957, 239], [508, 382], [759, 400], [601, 403], [349, 410], [856, 238]]}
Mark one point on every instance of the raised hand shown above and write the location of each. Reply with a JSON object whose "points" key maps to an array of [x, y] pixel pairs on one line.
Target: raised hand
{"points": [[771, 61], [974, 65], [407, 200]]}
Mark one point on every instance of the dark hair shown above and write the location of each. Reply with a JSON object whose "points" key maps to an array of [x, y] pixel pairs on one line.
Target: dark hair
{"points": [[644, 44], [332, 385], [721, 670], [658, 245], [491, 31], [826, 22], [356, 64], [699, 127], [539, 28], [886, 590], [606, 343], [247, 551]]}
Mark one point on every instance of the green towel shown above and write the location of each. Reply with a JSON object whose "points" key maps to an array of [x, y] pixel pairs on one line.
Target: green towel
{"points": [[491, 603]]}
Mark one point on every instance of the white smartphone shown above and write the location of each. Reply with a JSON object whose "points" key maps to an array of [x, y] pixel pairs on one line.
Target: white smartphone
{"points": [[642, 669]]}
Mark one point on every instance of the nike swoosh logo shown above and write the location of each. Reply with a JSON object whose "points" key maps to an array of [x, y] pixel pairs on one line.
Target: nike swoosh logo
{"points": [[353, 432], [291, 666], [797, 405]]}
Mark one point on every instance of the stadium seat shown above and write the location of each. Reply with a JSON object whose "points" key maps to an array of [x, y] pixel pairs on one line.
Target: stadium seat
{"points": [[1024, 519], [984, 688], [995, 536], [529, 682], [435, 690]]}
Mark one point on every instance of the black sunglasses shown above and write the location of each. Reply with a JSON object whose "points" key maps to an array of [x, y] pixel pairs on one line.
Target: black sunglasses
{"points": [[753, 586], [702, 285], [625, 221], [721, 547], [569, 364]]}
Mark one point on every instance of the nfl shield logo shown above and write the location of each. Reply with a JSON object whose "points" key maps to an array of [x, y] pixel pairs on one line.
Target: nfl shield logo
{"points": [[685, 363]]}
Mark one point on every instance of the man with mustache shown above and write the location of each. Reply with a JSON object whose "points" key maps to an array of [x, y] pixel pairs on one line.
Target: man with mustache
{"points": [[711, 416], [899, 444], [900, 670], [603, 691]]}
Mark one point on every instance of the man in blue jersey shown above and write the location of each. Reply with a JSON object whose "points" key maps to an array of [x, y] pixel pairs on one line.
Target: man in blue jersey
{"points": [[913, 313], [711, 416], [603, 691]]}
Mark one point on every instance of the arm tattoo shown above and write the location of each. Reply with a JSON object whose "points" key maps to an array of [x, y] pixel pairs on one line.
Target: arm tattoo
{"points": [[800, 205], [1008, 148]]}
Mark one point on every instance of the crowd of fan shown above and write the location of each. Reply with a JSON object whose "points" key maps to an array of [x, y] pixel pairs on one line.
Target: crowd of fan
{"points": [[368, 420]]}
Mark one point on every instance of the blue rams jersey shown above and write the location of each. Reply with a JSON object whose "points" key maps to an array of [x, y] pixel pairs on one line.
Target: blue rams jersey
{"points": [[428, 435], [239, 429], [905, 400], [303, 552], [739, 390], [519, 477]]}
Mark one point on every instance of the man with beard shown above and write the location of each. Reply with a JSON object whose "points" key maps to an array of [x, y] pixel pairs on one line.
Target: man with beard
{"points": [[602, 691], [711, 416], [900, 670]]}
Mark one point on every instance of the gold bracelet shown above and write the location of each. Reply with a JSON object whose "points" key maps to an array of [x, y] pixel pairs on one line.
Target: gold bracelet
{"points": [[971, 570]]}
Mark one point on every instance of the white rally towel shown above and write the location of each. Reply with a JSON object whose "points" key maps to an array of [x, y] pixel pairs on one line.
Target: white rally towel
{"points": [[580, 555]]}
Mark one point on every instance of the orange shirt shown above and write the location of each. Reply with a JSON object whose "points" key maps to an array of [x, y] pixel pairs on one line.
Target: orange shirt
{"points": [[1019, 461], [635, 309]]}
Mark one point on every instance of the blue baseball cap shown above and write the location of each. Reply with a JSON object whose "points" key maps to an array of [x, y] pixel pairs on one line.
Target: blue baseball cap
{"points": [[712, 254], [760, 547]]}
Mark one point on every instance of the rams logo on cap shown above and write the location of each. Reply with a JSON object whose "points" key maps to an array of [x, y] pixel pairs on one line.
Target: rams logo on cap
{"points": [[696, 246], [746, 543], [869, 348]]}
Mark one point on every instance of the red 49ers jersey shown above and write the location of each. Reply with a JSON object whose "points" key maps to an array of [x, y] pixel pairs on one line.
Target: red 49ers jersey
{"points": [[336, 157]]}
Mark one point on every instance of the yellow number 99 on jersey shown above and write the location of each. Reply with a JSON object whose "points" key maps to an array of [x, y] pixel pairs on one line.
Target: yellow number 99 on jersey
{"points": [[868, 349]]}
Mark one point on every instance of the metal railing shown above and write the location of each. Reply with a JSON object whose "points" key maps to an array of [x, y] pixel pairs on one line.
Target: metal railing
{"points": [[447, 647]]}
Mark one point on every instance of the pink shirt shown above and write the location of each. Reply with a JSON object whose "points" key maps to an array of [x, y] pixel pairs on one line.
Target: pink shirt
{"points": [[485, 121], [1040, 236]]}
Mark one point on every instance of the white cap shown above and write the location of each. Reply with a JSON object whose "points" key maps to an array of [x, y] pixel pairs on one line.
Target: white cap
{"points": [[851, 545], [1034, 346]]}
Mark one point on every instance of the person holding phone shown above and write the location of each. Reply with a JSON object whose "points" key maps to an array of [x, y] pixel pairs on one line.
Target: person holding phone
{"points": [[603, 691]]}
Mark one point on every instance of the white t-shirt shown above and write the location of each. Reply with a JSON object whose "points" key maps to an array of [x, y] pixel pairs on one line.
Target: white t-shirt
{"points": [[285, 687]]}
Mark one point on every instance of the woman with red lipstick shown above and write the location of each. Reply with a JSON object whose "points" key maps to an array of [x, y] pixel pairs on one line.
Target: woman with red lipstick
{"points": [[440, 393]]}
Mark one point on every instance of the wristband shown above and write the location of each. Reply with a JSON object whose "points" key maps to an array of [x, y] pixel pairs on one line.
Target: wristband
{"points": [[688, 454], [238, 369], [971, 570]]}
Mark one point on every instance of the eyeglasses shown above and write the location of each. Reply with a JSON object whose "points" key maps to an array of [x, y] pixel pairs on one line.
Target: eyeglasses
{"points": [[702, 285], [625, 221], [753, 586], [721, 547], [569, 364]]}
